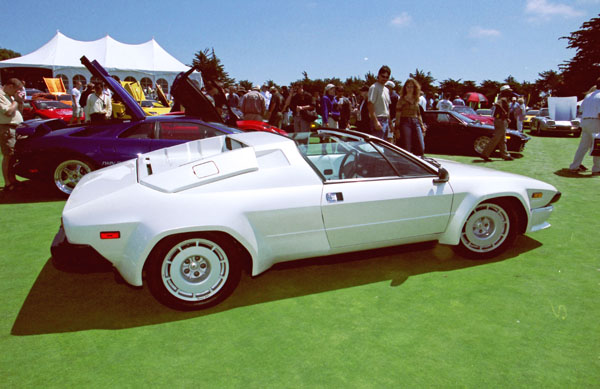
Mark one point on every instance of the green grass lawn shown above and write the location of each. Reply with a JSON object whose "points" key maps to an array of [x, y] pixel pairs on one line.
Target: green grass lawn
{"points": [[416, 316]]}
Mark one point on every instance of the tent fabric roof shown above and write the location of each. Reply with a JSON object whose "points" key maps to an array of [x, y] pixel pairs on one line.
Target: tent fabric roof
{"points": [[64, 52]]}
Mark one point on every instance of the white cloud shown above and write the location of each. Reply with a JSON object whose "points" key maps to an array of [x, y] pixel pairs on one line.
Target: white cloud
{"points": [[479, 32], [545, 10], [403, 19]]}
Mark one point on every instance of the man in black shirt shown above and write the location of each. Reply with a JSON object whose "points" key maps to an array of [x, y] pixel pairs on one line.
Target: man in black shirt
{"points": [[301, 101], [501, 112]]}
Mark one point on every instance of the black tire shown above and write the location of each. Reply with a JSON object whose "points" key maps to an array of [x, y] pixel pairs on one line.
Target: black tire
{"points": [[67, 172], [489, 230], [193, 271]]}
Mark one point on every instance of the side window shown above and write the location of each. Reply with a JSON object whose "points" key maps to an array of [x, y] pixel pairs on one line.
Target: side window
{"points": [[338, 157], [186, 131], [452, 119], [405, 166], [443, 118], [141, 131]]}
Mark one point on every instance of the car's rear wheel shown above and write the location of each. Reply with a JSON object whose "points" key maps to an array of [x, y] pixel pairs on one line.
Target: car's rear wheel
{"points": [[67, 173], [192, 272], [490, 229], [480, 143]]}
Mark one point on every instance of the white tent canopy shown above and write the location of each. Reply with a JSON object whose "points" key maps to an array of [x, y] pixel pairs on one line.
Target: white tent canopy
{"points": [[62, 55]]}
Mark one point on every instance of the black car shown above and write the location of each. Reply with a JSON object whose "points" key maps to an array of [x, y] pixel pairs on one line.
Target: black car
{"points": [[449, 131]]}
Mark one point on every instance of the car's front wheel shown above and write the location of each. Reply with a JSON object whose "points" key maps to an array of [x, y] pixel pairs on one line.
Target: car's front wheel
{"points": [[192, 272], [480, 143], [67, 173], [490, 229]]}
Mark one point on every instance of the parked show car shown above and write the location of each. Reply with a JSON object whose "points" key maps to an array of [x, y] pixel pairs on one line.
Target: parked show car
{"points": [[448, 131], [64, 98], [47, 109], [151, 107], [60, 154], [484, 112], [471, 114], [250, 200], [529, 116], [544, 123]]}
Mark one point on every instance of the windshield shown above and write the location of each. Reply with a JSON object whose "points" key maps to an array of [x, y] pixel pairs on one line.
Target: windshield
{"points": [[462, 109], [466, 119], [533, 112], [544, 112]]}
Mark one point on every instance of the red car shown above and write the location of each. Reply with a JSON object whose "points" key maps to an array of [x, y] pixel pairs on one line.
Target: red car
{"points": [[471, 114], [47, 109], [255, 125]]}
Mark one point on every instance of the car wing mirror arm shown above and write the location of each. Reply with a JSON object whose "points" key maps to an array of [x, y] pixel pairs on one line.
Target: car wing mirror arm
{"points": [[443, 176]]}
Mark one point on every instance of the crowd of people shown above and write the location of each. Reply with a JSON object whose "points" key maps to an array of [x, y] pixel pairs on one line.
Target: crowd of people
{"points": [[378, 110]]}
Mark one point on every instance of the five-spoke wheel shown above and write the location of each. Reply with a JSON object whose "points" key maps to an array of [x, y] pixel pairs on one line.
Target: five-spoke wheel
{"points": [[68, 173], [481, 143]]}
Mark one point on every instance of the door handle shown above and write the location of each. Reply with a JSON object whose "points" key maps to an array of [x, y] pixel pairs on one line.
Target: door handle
{"points": [[334, 197]]}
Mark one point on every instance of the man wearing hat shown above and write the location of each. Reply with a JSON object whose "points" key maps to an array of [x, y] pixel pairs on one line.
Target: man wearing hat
{"points": [[253, 104], [394, 97], [590, 126], [501, 111]]}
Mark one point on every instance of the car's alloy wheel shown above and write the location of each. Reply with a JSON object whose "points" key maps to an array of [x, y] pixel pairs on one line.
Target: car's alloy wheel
{"points": [[481, 143], [488, 230], [68, 173], [193, 272]]}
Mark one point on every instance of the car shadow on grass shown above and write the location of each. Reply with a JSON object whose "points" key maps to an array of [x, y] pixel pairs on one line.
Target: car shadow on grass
{"points": [[30, 191], [87, 297]]}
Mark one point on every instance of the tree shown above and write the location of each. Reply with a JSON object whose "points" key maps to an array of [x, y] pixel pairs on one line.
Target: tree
{"points": [[425, 80], [549, 83], [210, 66], [8, 54], [581, 72], [247, 85], [489, 89], [451, 88]]}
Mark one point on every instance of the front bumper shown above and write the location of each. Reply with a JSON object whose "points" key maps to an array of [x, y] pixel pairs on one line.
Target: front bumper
{"points": [[65, 252]]}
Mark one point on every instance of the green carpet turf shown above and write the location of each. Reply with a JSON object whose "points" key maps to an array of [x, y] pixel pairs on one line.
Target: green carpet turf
{"points": [[415, 316]]}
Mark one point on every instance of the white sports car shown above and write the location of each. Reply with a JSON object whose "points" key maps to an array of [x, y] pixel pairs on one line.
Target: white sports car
{"points": [[189, 218]]}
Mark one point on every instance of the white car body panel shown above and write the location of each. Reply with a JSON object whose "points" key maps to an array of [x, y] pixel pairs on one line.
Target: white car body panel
{"points": [[268, 198]]}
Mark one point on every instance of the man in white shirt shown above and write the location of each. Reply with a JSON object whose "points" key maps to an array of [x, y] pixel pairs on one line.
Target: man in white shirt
{"points": [[77, 111], [379, 104], [590, 126], [98, 107]]}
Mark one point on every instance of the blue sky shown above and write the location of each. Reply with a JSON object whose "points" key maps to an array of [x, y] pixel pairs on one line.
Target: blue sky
{"points": [[278, 40]]}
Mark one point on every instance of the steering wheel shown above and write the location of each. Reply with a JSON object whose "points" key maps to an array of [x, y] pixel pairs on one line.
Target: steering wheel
{"points": [[348, 166]]}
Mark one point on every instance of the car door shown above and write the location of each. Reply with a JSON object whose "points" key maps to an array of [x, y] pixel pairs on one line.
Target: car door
{"points": [[441, 130], [390, 196], [130, 141]]}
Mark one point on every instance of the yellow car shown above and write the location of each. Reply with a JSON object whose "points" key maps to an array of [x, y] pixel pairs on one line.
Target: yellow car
{"points": [[151, 107], [529, 115]]}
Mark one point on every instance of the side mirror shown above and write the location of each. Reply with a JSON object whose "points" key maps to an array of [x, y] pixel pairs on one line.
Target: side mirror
{"points": [[443, 176]]}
